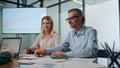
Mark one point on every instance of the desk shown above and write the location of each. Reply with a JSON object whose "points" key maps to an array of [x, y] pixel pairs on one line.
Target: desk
{"points": [[46, 62]]}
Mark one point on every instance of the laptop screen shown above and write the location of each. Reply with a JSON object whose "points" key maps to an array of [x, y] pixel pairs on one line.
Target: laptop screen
{"points": [[12, 43]]}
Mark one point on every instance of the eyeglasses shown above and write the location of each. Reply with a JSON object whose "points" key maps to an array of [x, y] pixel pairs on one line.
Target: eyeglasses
{"points": [[70, 18]]}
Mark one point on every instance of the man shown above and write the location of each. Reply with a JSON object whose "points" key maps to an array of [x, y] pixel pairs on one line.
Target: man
{"points": [[6, 55], [81, 41]]}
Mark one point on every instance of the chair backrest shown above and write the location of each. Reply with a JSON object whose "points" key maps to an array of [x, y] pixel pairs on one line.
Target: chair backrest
{"points": [[102, 54]]}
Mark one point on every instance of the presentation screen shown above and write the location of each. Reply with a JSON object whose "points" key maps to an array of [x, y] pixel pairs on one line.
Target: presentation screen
{"points": [[22, 20]]}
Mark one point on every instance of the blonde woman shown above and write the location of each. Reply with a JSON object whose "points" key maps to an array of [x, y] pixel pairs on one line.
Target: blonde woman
{"points": [[48, 38]]}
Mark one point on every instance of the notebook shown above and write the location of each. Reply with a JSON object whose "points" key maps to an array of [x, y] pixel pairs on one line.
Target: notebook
{"points": [[12, 43]]}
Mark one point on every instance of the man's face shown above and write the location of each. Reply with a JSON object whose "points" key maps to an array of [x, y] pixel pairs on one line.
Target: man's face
{"points": [[74, 19]]}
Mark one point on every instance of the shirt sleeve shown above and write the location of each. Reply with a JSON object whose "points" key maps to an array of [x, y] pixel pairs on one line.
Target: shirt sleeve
{"points": [[70, 54], [63, 46], [5, 57], [36, 43]]}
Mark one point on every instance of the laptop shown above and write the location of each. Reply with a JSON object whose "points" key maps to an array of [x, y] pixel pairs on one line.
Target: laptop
{"points": [[12, 43]]}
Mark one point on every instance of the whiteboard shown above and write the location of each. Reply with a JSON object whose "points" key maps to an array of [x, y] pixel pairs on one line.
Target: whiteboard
{"points": [[22, 20]]}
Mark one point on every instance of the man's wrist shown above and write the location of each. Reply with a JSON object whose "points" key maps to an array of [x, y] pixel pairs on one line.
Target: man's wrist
{"points": [[64, 54]]}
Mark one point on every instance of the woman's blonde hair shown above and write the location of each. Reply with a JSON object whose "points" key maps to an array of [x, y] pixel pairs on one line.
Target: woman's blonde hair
{"points": [[42, 34]]}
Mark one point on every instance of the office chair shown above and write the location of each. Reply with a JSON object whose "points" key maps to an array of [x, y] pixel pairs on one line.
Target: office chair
{"points": [[111, 55]]}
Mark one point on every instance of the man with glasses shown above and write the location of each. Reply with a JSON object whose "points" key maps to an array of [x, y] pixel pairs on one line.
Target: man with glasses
{"points": [[81, 41]]}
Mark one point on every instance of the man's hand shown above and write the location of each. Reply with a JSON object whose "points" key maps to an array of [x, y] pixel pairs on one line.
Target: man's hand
{"points": [[58, 53], [40, 52]]}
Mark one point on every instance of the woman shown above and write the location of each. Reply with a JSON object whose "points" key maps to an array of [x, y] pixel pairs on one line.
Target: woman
{"points": [[48, 38]]}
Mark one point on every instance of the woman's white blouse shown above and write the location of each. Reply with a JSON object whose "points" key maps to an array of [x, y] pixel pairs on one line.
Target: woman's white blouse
{"points": [[46, 43]]}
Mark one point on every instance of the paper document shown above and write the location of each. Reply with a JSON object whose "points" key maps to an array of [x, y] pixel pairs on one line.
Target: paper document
{"points": [[26, 62], [27, 56]]}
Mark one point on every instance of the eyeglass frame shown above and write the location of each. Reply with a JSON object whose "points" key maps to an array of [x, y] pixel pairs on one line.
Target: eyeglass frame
{"points": [[70, 18]]}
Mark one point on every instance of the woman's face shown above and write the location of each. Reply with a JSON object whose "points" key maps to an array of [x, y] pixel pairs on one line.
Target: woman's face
{"points": [[46, 25]]}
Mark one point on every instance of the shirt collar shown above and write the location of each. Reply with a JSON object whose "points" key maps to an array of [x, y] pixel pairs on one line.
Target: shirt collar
{"points": [[81, 31]]}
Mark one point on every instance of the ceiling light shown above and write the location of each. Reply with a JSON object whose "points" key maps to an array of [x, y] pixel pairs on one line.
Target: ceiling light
{"points": [[80, 2]]}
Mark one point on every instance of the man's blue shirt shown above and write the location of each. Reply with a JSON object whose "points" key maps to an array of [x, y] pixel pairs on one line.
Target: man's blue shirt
{"points": [[82, 44]]}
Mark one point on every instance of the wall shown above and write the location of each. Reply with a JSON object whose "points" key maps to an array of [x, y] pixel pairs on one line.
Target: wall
{"points": [[105, 18]]}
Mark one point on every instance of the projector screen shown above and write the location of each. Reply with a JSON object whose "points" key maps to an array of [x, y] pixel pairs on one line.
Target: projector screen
{"points": [[22, 20]]}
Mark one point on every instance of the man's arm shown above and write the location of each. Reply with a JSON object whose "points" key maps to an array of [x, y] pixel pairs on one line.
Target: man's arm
{"points": [[63, 46]]}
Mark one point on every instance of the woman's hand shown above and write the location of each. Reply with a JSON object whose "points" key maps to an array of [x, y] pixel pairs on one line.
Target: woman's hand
{"points": [[40, 52]]}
